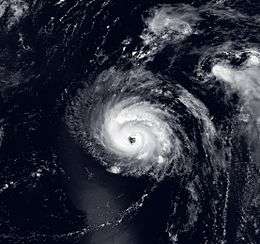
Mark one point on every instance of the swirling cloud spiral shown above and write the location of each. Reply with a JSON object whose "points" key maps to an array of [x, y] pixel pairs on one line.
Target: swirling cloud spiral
{"points": [[130, 122]]}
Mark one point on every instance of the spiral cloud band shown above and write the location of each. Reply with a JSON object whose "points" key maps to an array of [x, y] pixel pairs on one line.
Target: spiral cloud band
{"points": [[137, 124]]}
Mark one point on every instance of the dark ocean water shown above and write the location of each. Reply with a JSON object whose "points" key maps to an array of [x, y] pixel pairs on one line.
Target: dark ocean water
{"points": [[180, 78]]}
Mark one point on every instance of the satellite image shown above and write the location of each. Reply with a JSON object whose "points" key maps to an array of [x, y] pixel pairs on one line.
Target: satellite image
{"points": [[129, 122]]}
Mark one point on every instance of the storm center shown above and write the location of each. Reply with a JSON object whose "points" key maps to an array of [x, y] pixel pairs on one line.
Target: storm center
{"points": [[131, 139]]}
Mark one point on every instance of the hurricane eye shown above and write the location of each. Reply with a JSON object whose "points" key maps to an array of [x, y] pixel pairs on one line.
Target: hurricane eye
{"points": [[131, 139]]}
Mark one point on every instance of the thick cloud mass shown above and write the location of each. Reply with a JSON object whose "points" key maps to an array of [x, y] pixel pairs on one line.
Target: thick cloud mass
{"points": [[132, 117]]}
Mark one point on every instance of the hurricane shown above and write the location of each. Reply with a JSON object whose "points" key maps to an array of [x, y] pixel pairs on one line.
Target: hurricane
{"points": [[132, 122]]}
